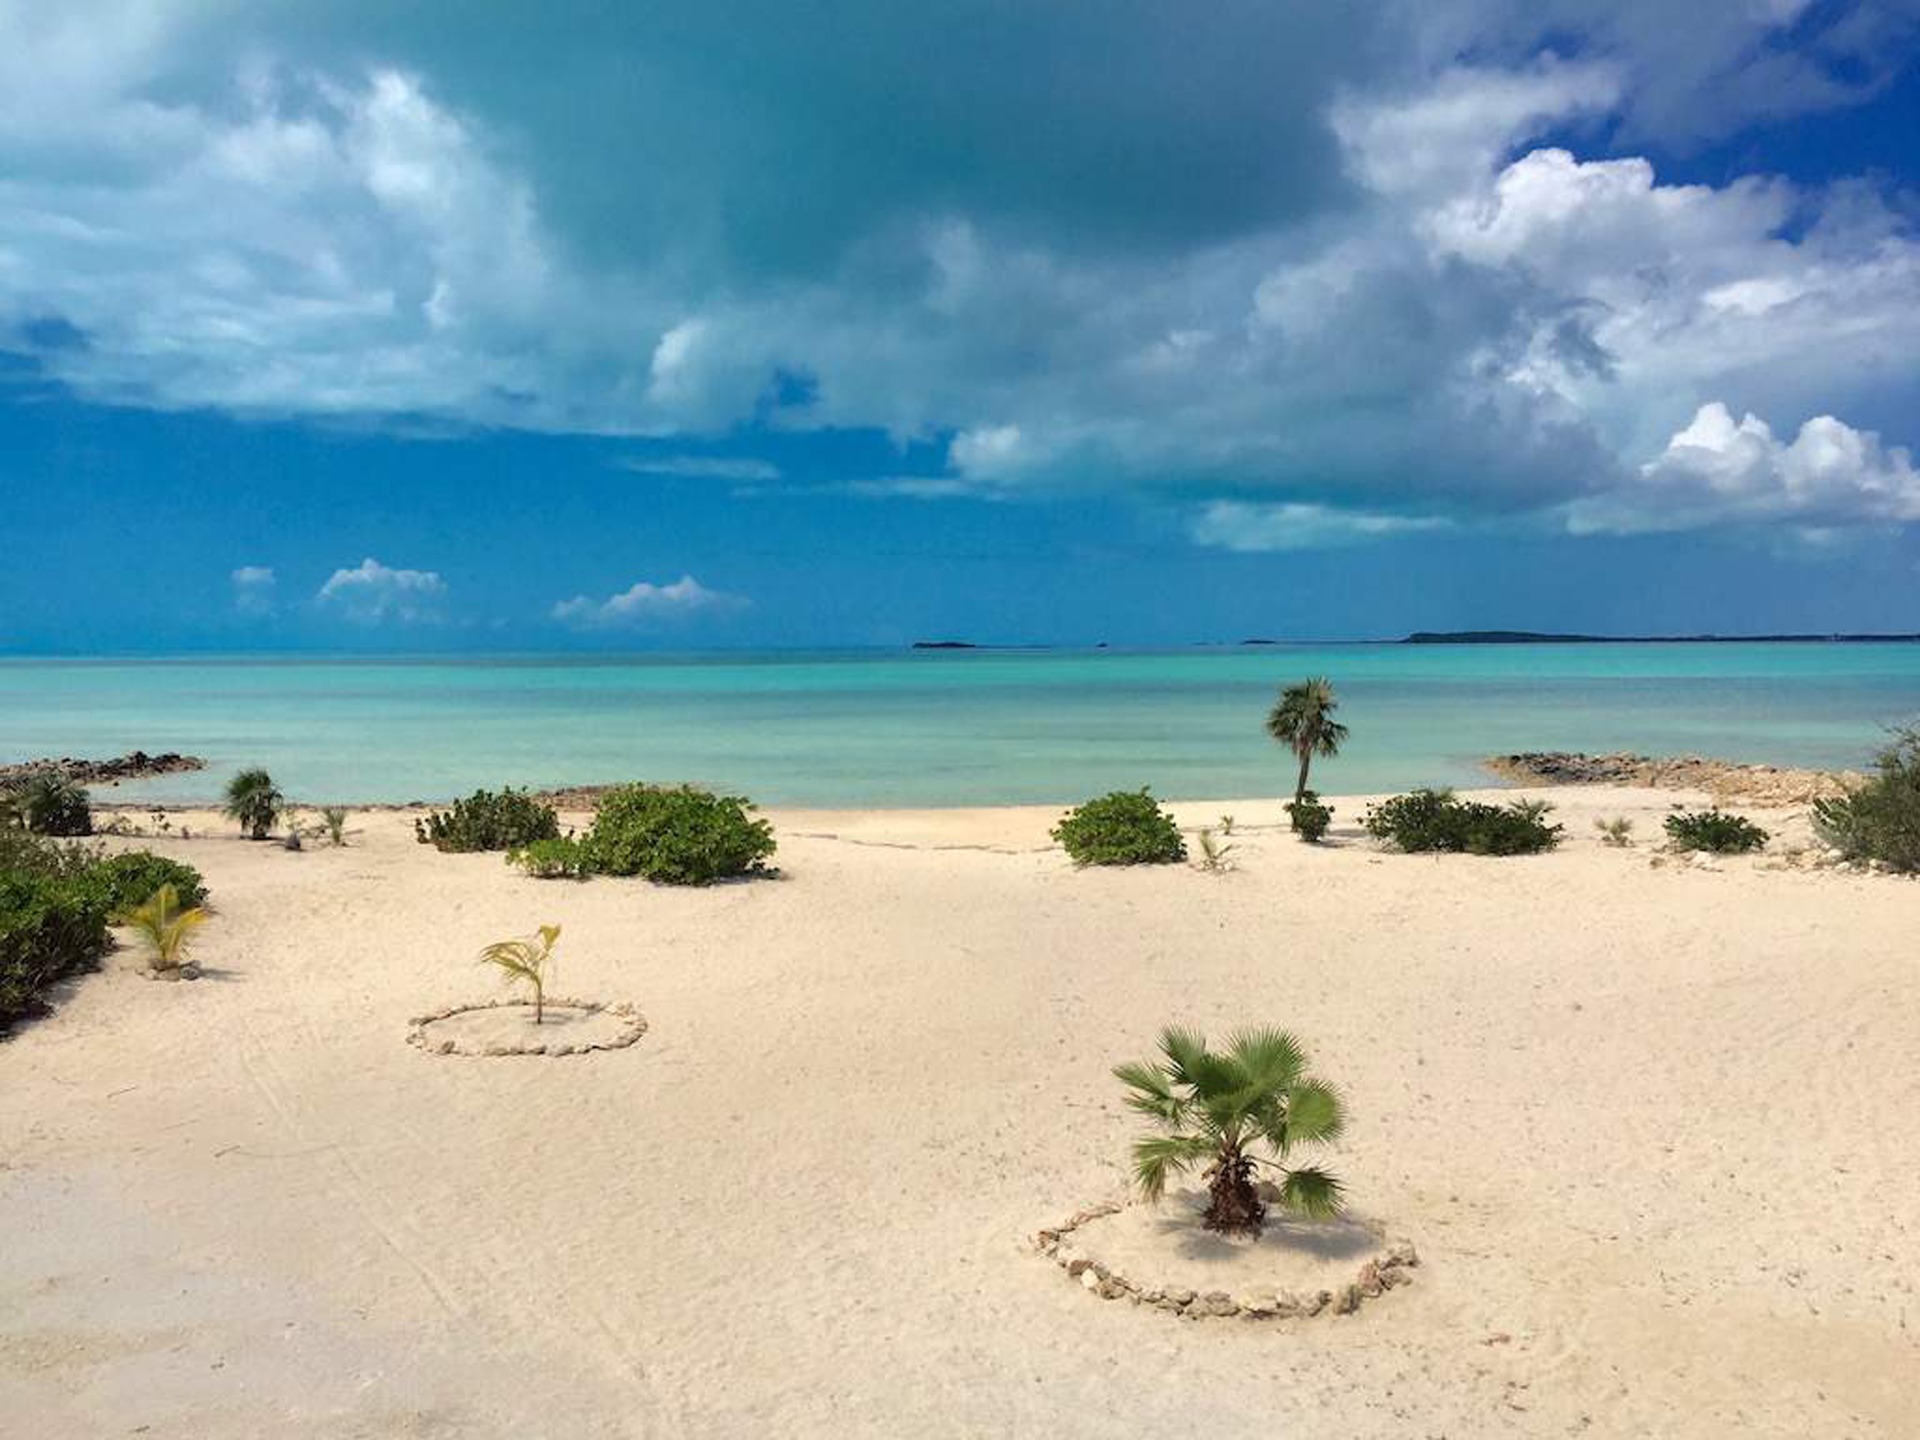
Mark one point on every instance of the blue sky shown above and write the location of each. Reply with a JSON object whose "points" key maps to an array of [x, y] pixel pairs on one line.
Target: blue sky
{"points": [[352, 325]]}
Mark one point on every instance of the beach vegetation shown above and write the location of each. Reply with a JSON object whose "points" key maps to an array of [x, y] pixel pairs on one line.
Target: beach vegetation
{"points": [[1617, 832], [127, 881], [1438, 821], [677, 835], [1310, 816], [489, 821], [52, 925], [334, 817], [526, 962], [561, 858], [1126, 827], [167, 928], [1714, 831], [1879, 821], [1302, 720], [255, 802], [1215, 853], [1220, 1109], [48, 803]]}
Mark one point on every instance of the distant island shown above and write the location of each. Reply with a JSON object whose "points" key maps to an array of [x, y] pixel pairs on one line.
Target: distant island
{"points": [[1531, 637], [944, 645]]}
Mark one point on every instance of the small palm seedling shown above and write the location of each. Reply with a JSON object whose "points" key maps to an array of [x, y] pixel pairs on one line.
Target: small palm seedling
{"points": [[336, 820], [1617, 832], [1218, 1107], [1214, 853], [167, 929], [254, 801], [1226, 824], [526, 960]]}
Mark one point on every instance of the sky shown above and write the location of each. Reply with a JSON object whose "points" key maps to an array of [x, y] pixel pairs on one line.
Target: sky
{"points": [[345, 325]]}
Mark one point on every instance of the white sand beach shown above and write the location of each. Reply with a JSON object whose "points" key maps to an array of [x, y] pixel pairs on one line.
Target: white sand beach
{"points": [[1649, 1127]]}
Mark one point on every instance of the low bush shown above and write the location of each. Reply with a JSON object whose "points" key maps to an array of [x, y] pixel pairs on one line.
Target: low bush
{"points": [[1126, 827], [126, 882], [677, 835], [1435, 820], [1715, 831], [1617, 832], [48, 803], [486, 821], [51, 926], [1879, 821], [1309, 816], [562, 859]]}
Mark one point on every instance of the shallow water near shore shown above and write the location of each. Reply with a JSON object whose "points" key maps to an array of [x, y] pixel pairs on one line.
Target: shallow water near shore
{"points": [[935, 728]]}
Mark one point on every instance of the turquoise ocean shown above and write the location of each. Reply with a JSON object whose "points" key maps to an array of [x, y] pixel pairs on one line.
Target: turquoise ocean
{"points": [[932, 728]]}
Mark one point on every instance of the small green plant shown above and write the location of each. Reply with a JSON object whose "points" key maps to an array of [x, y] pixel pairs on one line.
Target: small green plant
{"points": [[1226, 824], [47, 803], [560, 859], [126, 881], [167, 929], [526, 961], [677, 835], [1125, 827], [1302, 720], [1217, 1108], [1310, 817], [486, 821], [1435, 820], [1714, 831], [1214, 853], [334, 817], [1617, 832], [1879, 820], [255, 802]]}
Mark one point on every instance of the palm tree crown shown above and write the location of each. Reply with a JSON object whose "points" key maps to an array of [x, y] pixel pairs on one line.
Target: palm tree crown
{"points": [[1216, 1106], [1302, 720], [254, 801]]}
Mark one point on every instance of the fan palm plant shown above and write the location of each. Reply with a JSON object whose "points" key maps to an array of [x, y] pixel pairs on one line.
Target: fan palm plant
{"points": [[254, 801], [1218, 1107], [166, 928], [526, 960], [1302, 720]]}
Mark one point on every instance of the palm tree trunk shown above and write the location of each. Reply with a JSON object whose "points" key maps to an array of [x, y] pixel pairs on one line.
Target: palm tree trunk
{"points": [[1233, 1205], [1300, 786]]}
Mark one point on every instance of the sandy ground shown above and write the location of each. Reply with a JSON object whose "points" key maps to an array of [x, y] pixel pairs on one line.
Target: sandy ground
{"points": [[1651, 1129]]}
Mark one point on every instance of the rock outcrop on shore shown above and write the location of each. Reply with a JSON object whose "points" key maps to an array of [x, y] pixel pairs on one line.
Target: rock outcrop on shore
{"points": [[1722, 779], [137, 765]]}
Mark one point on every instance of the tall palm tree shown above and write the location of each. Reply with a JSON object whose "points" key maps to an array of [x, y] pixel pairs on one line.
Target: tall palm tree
{"points": [[1217, 1107], [254, 801], [1302, 720]]}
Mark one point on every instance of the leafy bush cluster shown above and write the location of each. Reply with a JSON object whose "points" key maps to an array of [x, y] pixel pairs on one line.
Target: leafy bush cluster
{"points": [[1435, 820], [1310, 818], [676, 835], [1126, 827], [1880, 821], [1715, 831], [125, 882], [557, 859], [486, 821], [47, 803]]}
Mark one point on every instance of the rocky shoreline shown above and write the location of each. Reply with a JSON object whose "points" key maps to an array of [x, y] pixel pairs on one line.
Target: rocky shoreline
{"points": [[137, 765], [1722, 779]]}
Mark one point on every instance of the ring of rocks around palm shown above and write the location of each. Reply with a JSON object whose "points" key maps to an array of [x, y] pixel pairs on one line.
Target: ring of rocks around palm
{"points": [[506, 1027], [1168, 1284]]}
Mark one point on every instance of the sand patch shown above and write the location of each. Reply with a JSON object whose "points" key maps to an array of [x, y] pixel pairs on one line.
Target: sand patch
{"points": [[507, 1027], [1161, 1255]]}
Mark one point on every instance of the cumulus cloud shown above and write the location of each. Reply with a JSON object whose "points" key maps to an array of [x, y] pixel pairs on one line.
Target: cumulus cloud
{"points": [[644, 603], [1252, 528], [1717, 471], [253, 589], [373, 594]]}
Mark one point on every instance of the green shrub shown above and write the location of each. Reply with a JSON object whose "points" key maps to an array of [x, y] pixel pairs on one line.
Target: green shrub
{"points": [[1126, 827], [1879, 821], [125, 882], [1310, 818], [1434, 820], [677, 835], [1716, 831], [47, 803], [51, 926], [566, 859], [486, 821]]}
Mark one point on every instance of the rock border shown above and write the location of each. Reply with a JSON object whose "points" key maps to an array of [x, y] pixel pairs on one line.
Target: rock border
{"points": [[636, 1026], [1387, 1271]]}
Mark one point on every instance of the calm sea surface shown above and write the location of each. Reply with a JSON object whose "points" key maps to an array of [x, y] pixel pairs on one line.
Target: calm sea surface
{"points": [[945, 728]]}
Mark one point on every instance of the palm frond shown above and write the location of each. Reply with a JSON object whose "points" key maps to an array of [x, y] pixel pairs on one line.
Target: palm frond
{"points": [[1272, 1058], [1314, 1113], [1155, 1157], [1312, 1192], [1186, 1052], [1153, 1093]]}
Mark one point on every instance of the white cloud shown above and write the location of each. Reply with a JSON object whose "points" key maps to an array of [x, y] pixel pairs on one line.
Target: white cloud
{"points": [[372, 594], [1249, 528], [1717, 471], [701, 467], [253, 589], [644, 602]]}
